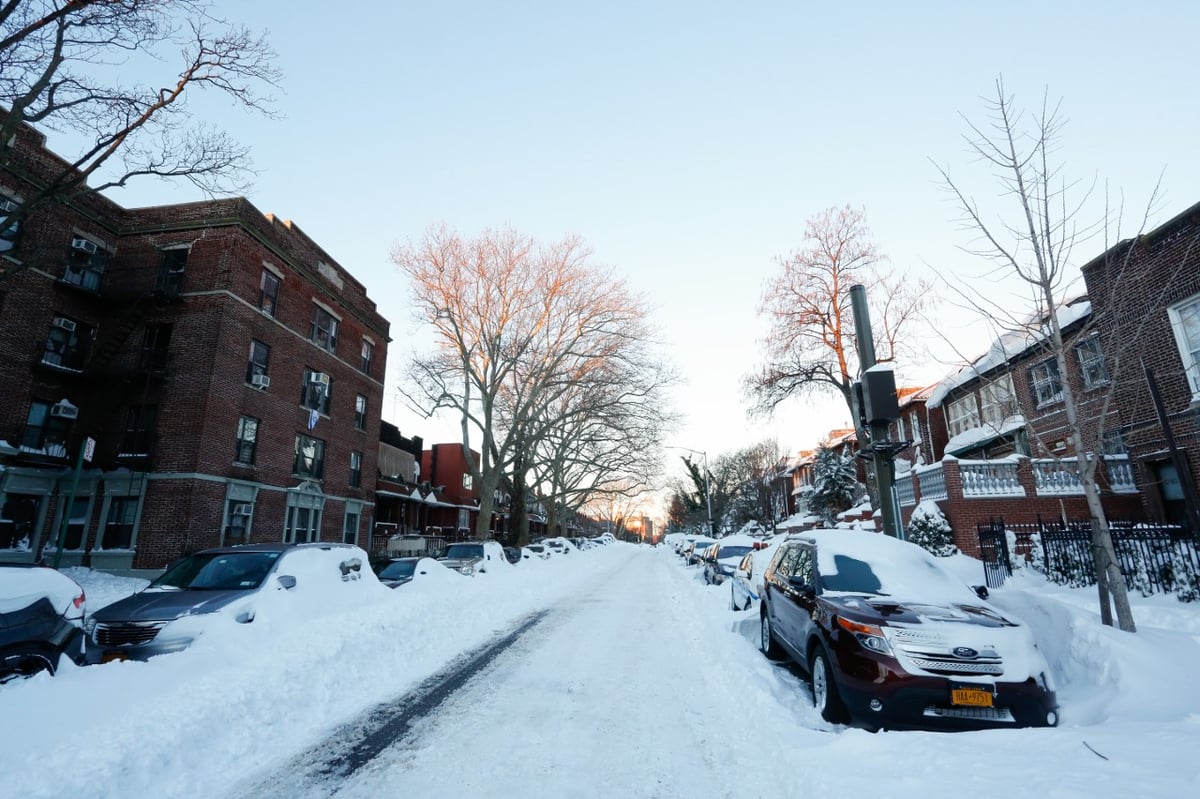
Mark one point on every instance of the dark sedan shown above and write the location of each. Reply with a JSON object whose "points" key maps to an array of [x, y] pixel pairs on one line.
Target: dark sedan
{"points": [[892, 640], [41, 614]]}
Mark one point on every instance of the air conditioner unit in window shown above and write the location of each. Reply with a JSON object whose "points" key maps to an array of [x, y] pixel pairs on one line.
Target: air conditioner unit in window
{"points": [[242, 509], [64, 410], [319, 377], [88, 246], [260, 381], [7, 206], [65, 324]]}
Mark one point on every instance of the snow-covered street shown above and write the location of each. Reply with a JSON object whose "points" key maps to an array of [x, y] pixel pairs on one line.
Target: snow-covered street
{"points": [[636, 682]]}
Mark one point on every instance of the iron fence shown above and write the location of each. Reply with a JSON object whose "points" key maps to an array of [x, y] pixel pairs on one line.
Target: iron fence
{"points": [[1154, 558]]}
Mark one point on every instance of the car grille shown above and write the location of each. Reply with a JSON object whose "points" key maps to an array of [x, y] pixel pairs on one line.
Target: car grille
{"points": [[931, 652], [1000, 714], [127, 633]]}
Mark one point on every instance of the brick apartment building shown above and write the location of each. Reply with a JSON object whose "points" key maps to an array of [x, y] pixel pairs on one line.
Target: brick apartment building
{"points": [[1145, 294], [228, 370]]}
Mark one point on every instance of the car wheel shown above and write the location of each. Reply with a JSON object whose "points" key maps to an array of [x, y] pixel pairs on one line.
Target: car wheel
{"points": [[767, 641], [18, 665], [824, 688]]}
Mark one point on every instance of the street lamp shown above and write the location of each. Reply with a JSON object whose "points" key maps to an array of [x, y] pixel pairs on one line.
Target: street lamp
{"points": [[707, 491]]}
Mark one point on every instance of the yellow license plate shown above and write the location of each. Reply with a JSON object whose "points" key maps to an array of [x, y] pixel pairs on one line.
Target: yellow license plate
{"points": [[971, 697], [109, 657]]}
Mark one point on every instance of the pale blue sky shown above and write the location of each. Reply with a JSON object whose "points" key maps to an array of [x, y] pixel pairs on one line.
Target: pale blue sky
{"points": [[688, 142]]}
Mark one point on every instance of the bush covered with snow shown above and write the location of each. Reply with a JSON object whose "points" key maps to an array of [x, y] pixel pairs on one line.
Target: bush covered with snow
{"points": [[930, 530], [835, 483]]}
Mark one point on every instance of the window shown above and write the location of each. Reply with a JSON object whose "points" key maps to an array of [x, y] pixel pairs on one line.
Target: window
{"points": [[315, 393], [962, 415], [303, 524], [350, 526], [171, 266], [118, 526], [1092, 368], [355, 469], [360, 412], [140, 423], [368, 353], [10, 228], [45, 431], [900, 430], [259, 360], [66, 344], [85, 264], [998, 400], [310, 457], [467, 481], [323, 332], [77, 524], [914, 427], [19, 518], [156, 346], [1185, 319], [268, 292], [1113, 443], [247, 440], [237, 524], [1047, 388]]}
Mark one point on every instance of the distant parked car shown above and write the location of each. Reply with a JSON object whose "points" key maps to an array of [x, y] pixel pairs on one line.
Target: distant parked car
{"points": [[474, 557], [724, 556], [696, 549], [513, 554], [537, 551], [891, 639], [399, 571], [215, 585], [41, 620], [745, 587]]}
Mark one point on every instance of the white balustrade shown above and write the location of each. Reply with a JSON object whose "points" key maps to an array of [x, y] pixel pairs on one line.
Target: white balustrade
{"points": [[990, 479], [1120, 474], [1056, 477], [933, 481]]}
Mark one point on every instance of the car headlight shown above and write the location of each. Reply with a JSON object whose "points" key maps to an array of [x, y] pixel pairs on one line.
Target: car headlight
{"points": [[870, 636]]}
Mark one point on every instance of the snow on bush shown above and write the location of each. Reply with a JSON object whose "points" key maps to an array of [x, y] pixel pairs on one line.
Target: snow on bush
{"points": [[930, 530]]}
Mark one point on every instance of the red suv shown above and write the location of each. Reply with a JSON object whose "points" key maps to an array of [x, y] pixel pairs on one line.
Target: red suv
{"points": [[891, 639]]}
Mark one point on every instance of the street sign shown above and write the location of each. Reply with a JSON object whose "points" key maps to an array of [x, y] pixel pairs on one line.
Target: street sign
{"points": [[89, 449]]}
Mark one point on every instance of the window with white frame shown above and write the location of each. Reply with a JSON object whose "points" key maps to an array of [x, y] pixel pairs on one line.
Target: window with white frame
{"points": [[350, 525], [310, 457], [355, 469], [1092, 368], [1047, 385], [368, 354], [315, 392], [247, 440], [323, 331], [303, 524], [1185, 320], [85, 263], [998, 400], [268, 292], [468, 481], [962, 415], [360, 412], [258, 361], [914, 426]]}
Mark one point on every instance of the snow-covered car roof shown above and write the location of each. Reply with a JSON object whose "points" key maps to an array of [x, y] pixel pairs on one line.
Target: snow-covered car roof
{"points": [[21, 586]]}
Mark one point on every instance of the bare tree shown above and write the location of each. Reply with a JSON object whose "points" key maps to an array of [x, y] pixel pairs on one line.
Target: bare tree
{"points": [[1034, 243], [517, 325], [63, 66], [810, 345]]}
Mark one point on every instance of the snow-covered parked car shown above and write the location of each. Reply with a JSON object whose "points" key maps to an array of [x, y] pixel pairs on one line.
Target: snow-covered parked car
{"points": [[746, 584], [724, 556], [41, 618], [474, 557], [401, 571], [892, 639], [223, 586]]}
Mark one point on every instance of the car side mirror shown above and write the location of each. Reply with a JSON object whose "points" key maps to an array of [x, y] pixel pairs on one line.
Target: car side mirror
{"points": [[981, 591], [801, 585], [286, 581]]}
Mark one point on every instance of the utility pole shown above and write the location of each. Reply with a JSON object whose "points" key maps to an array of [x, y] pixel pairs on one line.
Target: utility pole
{"points": [[875, 396]]}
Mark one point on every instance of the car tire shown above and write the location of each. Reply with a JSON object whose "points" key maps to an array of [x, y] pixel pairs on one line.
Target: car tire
{"points": [[19, 664], [824, 688], [766, 639]]}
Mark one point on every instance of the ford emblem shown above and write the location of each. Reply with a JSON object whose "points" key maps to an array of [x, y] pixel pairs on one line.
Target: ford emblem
{"points": [[965, 652]]}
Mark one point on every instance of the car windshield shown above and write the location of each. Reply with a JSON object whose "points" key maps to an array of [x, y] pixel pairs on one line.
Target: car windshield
{"points": [[218, 571], [464, 551], [398, 570], [733, 552], [536, 547]]}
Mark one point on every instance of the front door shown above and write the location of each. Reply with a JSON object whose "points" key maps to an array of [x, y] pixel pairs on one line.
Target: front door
{"points": [[1170, 493]]}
